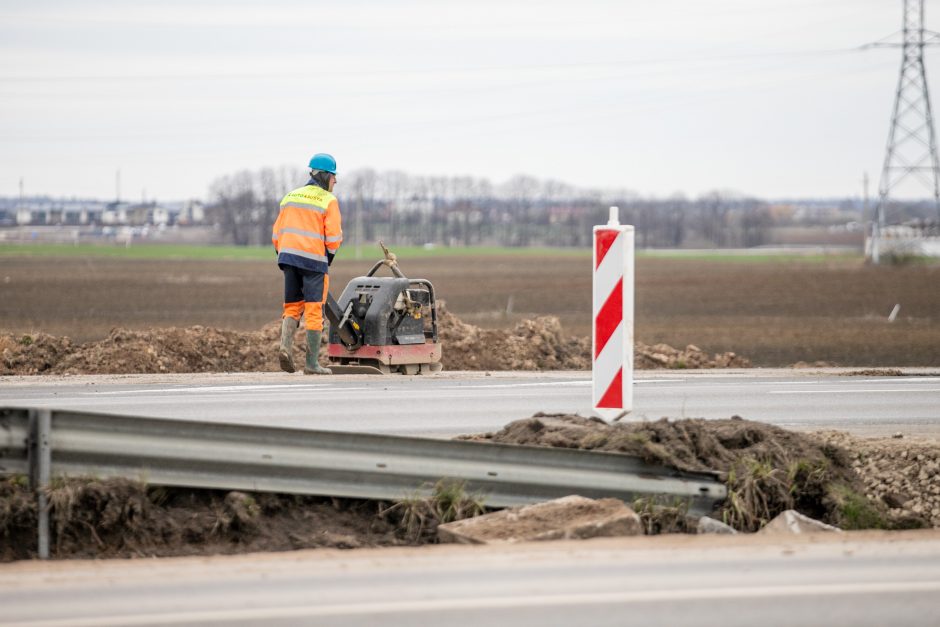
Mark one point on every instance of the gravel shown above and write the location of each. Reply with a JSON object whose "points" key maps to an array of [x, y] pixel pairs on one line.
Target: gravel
{"points": [[902, 472]]}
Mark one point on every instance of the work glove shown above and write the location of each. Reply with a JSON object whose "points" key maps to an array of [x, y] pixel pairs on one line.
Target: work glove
{"points": [[329, 258]]}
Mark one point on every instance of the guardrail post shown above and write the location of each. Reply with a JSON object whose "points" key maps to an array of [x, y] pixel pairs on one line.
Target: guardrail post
{"points": [[40, 463]]}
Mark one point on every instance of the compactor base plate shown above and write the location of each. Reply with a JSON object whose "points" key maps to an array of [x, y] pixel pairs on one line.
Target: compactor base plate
{"points": [[408, 359], [376, 367]]}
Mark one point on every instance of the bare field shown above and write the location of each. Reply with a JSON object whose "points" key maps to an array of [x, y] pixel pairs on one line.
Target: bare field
{"points": [[776, 313]]}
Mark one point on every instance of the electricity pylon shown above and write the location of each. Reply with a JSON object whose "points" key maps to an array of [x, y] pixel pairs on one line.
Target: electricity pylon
{"points": [[912, 142]]}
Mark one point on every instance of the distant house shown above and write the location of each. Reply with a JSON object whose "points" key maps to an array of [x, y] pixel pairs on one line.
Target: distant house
{"points": [[45, 211], [56, 213], [192, 212], [139, 215], [30, 215], [115, 213], [917, 238]]}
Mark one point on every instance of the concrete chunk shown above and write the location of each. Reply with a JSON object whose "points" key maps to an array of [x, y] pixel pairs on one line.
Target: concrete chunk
{"points": [[793, 522], [710, 525], [565, 518]]}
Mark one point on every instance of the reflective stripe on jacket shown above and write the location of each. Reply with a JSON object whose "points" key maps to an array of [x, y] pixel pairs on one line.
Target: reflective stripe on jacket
{"points": [[308, 226]]}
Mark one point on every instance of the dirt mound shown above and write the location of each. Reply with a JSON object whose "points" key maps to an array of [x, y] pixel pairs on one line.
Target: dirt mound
{"points": [[665, 356], [194, 349], [119, 518], [535, 344], [539, 344], [32, 354], [176, 350], [767, 469]]}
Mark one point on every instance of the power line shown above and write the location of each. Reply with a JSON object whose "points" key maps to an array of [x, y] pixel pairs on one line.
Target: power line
{"points": [[449, 121], [71, 78]]}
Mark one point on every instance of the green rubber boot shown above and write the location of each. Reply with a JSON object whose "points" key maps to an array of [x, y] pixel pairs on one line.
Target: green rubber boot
{"points": [[286, 351], [312, 366]]}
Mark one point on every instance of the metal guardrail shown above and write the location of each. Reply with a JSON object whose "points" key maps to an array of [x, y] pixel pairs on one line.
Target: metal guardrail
{"points": [[45, 443]]}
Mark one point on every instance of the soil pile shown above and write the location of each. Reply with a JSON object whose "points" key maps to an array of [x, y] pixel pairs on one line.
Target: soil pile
{"points": [[539, 344], [32, 354], [535, 344], [119, 518], [194, 349], [665, 356], [767, 469], [157, 351]]}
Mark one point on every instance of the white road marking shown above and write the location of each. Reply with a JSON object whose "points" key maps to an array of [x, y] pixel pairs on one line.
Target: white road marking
{"points": [[896, 380], [320, 387], [478, 603], [327, 387], [853, 391], [786, 382], [283, 392], [497, 386], [217, 388]]}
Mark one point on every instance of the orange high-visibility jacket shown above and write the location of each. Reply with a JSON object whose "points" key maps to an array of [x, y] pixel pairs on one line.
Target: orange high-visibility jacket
{"points": [[308, 226]]}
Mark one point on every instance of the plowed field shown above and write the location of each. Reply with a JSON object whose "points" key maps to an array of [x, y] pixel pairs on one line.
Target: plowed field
{"points": [[775, 313]]}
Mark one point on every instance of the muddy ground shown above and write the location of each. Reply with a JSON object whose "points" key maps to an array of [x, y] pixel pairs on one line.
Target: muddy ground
{"points": [[854, 483], [536, 344], [776, 313]]}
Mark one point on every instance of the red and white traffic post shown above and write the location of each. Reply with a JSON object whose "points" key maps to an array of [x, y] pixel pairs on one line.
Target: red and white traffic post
{"points": [[612, 337]]}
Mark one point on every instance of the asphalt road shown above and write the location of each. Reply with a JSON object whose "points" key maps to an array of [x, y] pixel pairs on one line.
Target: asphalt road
{"points": [[845, 579], [454, 403]]}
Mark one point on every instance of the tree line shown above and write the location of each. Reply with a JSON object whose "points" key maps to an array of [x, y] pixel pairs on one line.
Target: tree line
{"points": [[467, 211]]}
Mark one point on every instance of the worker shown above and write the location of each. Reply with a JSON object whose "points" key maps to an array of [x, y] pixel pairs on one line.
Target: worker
{"points": [[307, 233]]}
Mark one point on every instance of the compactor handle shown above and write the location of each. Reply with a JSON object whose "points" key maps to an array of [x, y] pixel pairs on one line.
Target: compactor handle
{"points": [[391, 260]]}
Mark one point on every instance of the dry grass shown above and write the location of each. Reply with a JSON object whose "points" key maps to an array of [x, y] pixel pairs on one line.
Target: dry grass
{"points": [[660, 515], [418, 516]]}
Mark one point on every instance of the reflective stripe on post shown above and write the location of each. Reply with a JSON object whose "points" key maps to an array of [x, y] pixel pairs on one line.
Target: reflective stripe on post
{"points": [[612, 336]]}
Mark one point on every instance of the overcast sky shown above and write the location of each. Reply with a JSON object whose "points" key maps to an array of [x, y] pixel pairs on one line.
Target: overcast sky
{"points": [[765, 97]]}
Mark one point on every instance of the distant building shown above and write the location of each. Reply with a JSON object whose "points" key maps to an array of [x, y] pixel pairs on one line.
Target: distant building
{"points": [[916, 239], [58, 212], [116, 213], [139, 215], [50, 212], [193, 212]]}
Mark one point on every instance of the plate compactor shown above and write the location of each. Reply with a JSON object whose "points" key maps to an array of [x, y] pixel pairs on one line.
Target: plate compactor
{"points": [[380, 324]]}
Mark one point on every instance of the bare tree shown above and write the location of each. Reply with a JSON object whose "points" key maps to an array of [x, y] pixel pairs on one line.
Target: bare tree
{"points": [[465, 211]]}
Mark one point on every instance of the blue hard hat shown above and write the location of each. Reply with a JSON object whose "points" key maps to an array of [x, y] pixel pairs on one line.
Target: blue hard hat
{"points": [[323, 162]]}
